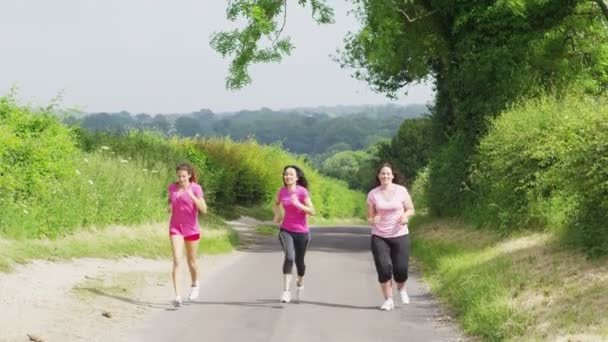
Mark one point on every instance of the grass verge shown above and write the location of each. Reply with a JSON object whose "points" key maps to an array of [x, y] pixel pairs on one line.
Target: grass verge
{"points": [[150, 241], [319, 221], [267, 229], [525, 287], [262, 212]]}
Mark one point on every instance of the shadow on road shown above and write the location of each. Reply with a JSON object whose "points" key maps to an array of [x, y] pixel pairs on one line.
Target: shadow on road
{"points": [[156, 305], [275, 304], [260, 303], [422, 302]]}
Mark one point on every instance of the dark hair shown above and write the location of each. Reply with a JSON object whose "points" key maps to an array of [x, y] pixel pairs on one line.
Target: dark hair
{"points": [[188, 168], [397, 176], [302, 181]]}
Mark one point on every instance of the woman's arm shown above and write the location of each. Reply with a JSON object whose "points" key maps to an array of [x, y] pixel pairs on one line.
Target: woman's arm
{"points": [[371, 213], [169, 207], [277, 211], [200, 203], [306, 207], [408, 205]]}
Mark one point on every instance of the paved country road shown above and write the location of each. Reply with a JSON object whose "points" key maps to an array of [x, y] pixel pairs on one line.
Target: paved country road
{"points": [[341, 299]]}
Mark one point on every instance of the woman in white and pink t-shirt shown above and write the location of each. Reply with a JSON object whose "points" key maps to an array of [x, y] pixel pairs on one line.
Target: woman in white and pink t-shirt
{"points": [[389, 208], [294, 234], [185, 201]]}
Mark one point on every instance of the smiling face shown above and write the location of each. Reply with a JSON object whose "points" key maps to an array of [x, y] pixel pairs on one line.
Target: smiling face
{"points": [[183, 177], [290, 176], [385, 176]]}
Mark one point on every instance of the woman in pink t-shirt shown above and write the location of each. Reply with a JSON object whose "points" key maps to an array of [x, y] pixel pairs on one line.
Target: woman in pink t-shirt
{"points": [[185, 201], [389, 208], [294, 234]]}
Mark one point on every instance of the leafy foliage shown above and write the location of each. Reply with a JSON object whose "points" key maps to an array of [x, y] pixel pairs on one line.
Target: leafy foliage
{"points": [[545, 163], [483, 58], [56, 180], [307, 131], [36, 154], [410, 150], [265, 22]]}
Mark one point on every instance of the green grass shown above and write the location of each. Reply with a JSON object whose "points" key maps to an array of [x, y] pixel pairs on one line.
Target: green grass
{"points": [[149, 241], [475, 284], [103, 190], [266, 229], [262, 212], [318, 221], [471, 277], [522, 287]]}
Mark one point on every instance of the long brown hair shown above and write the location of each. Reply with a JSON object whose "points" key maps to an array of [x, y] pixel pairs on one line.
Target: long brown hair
{"points": [[188, 168], [302, 181], [396, 175]]}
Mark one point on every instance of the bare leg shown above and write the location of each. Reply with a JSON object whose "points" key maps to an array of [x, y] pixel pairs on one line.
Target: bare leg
{"points": [[177, 246], [191, 255]]}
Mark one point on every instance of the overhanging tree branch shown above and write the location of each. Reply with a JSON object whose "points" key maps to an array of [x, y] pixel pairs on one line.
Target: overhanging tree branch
{"points": [[420, 17], [278, 34]]}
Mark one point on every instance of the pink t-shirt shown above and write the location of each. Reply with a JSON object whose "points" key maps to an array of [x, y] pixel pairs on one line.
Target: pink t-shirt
{"points": [[184, 213], [295, 219], [389, 211]]}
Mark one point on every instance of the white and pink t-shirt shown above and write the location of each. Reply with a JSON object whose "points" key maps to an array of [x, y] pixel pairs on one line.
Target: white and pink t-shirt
{"points": [[389, 211], [184, 213], [295, 219]]}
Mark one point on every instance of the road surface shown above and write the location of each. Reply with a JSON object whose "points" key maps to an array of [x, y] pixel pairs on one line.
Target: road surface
{"points": [[341, 300]]}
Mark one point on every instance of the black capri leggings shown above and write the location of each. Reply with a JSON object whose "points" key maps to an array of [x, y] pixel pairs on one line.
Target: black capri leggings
{"points": [[391, 256], [294, 246]]}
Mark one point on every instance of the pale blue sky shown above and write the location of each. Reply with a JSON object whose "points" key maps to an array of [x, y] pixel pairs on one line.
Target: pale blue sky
{"points": [[154, 56]]}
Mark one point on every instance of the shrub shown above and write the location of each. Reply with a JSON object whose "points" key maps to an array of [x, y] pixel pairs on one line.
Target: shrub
{"points": [[545, 163]]}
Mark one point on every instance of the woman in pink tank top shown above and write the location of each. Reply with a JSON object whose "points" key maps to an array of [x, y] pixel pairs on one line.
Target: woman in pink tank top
{"points": [[186, 199], [389, 208], [294, 234]]}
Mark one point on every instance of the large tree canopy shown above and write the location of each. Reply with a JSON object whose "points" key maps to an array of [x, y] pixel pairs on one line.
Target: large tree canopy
{"points": [[483, 56]]}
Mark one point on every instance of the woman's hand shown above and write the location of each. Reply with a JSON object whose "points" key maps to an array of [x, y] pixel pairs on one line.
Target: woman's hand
{"points": [[404, 219], [374, 220], [276, 219], [200, 203], [295, 201]]}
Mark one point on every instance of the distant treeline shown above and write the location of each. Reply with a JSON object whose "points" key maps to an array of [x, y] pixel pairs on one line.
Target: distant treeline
{"points": [[302, 130]]}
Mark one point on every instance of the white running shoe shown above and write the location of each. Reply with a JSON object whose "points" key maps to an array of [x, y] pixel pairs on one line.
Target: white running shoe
{"points": [[286, 296], [194, 292], [177, 302], [388, 305], [405, 299], [299, 293]]}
